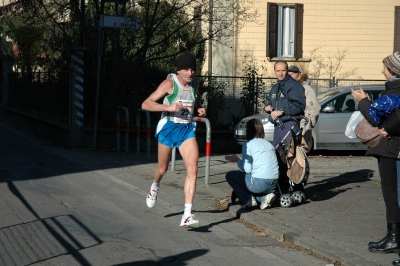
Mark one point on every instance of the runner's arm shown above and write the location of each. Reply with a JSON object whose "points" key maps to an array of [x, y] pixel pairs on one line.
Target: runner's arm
{"points": [[151, 103]]}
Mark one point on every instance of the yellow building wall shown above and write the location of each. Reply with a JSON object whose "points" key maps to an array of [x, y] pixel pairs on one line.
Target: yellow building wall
{"points": [[365, 28]]}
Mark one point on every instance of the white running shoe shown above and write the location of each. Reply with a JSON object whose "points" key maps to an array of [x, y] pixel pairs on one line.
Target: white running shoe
{"points": [[253, 201], [269, 199], [151, 199], [189, 221]]}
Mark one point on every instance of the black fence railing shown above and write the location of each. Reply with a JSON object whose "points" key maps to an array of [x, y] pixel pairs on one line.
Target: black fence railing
{"points": [[45, 94], [244, 96], [228, 99]]}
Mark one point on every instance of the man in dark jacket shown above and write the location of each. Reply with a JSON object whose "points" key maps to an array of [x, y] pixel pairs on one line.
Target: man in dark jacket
{"points": [[286, 98]]}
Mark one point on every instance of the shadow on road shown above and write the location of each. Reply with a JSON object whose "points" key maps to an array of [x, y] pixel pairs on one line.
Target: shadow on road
{"points": [[178, 259]]}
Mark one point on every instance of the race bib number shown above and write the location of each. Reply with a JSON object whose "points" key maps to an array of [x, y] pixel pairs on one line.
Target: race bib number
{"points": [[184, 115]]}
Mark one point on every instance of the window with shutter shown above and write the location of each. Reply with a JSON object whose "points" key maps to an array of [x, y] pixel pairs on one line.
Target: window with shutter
{"points": [[284, 30]]}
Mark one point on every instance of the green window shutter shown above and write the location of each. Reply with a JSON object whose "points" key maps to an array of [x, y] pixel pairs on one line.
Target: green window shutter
{"points": [[298, 44], [272, 28]]}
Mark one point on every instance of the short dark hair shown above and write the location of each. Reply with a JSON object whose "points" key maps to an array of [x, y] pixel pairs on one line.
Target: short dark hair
{"points": [[255, 129], [281, 61]]}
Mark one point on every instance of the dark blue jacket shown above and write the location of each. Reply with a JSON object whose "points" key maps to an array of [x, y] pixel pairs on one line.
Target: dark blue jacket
{"points": [[287, 95]]}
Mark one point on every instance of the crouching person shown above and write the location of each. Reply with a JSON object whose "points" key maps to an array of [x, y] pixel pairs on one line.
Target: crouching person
{"points": [[259, 173]]}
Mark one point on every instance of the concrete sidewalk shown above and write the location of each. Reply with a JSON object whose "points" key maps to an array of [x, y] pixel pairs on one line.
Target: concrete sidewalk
{"points": [[344, 210]]}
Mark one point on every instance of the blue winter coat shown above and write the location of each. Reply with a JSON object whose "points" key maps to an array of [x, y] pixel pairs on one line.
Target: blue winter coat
{"points": [[287, 95]]}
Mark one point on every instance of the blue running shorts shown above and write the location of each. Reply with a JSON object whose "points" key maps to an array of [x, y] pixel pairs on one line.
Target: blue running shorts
{"points": [[174, 134]]}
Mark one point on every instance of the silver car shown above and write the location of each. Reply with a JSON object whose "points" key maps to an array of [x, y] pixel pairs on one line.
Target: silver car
{"points": [[337, 105]]}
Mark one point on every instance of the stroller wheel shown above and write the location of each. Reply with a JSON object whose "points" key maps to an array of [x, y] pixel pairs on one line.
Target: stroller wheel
{"points": [[233, 197], [302, 195], [297, 197], [286, 201]]}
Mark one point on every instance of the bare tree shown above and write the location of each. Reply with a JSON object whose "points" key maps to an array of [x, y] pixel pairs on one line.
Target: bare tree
{"points": [[167, 28], [327, 65], [162, 22]]}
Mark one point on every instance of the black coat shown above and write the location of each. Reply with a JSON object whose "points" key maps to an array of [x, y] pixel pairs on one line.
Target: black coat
{"points": [[389, 148], [392, 123]]}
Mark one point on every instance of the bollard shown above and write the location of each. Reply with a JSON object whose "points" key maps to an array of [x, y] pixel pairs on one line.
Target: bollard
{"points": [[126, 128], [208, 149], [147, 130]]}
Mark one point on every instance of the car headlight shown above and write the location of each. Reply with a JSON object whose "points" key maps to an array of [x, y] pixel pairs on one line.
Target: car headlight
{"points": [[241, 125], [264, 120]]}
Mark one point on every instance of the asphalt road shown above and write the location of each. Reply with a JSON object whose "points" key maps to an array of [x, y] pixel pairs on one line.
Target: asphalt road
{"points": [[68, 207]]}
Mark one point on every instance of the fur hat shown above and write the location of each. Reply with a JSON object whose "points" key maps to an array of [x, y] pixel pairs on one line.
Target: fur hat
{"points": [[185, 61], [393, 62]]}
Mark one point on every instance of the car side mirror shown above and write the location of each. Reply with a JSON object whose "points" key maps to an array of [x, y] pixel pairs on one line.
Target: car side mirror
{"points": [[329, 109]]}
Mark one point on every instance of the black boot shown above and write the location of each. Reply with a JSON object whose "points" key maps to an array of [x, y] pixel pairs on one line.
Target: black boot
{"points": [[396, 262], [392, 242], [233, 197], [380, 242]]}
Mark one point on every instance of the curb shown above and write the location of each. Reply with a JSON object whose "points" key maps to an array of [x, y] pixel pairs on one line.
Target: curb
{"points": [[279, 231]]}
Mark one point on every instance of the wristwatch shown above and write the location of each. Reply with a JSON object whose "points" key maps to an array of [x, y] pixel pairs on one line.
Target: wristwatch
{"points": [[282, 111]]}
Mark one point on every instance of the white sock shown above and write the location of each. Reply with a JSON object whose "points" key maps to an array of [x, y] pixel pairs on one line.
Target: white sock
{"points": [[188, 210], [155, 186]]}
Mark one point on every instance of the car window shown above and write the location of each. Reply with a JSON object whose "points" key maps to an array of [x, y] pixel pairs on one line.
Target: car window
{"points": [[327, 94], [345, 103], [330, 103], [374, 94], [350, 105], [337, 102]]}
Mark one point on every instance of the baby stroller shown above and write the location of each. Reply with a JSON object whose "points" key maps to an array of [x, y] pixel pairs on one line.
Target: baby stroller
{"points": [[294, 167]]}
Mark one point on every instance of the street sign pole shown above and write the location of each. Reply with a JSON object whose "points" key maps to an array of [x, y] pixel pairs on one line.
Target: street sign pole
{"points": [[116, 22]]}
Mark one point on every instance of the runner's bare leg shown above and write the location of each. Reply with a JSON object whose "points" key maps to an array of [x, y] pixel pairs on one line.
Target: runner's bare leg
{"points": [[190, 153]]}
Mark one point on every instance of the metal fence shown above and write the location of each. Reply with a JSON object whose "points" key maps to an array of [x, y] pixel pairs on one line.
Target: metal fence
{"points": [[244, 96], [228, 99], [353, 82], [45, 94]]}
